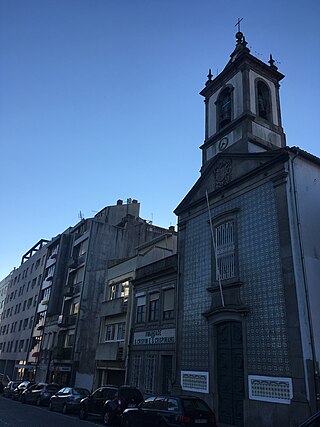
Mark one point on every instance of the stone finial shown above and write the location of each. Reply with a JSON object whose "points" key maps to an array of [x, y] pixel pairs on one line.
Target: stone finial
{"points": [[272, 63], [209, 77]]}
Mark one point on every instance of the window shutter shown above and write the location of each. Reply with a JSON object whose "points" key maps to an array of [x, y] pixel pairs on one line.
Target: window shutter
{"points": [[168, 300]]}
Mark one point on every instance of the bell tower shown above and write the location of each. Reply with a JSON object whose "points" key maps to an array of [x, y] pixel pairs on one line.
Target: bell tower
{"points": [[242, 106]]}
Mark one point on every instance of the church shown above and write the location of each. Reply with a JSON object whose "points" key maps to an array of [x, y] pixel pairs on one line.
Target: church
{"points": [[249, 248]]}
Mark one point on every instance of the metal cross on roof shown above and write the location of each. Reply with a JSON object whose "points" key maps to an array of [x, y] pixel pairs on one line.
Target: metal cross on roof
{"points": [[238, 23]]}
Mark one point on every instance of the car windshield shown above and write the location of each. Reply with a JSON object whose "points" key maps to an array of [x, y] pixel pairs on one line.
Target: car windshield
{"points": [[82, 391], [194, 405]]}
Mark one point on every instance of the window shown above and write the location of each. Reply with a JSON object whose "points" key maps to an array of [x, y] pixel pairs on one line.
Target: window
{"points": [[154, 307], [150, 373], [25, 323], [74, 309], [77, 276], [110, 329], [49, 272], [263, 101], [31, 322], [119, 290], [114, 332], [224, 107], [141, 309], [80, 249], [168, 304], [121, 331], [225, 251], [70, 339]]}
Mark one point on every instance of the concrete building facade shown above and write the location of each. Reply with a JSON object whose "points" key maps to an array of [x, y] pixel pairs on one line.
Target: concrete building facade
{"points": [[71, 328], [117, 317], [17, 344]]}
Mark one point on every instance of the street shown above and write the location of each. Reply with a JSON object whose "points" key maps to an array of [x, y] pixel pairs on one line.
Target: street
{"points": [[15, 414]]}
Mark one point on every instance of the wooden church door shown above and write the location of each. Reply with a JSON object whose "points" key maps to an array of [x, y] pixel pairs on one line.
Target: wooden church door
{"points": [[230, 373]]}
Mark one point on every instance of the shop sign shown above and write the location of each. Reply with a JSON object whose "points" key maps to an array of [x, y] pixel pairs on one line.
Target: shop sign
{"points": [[155, 336]]}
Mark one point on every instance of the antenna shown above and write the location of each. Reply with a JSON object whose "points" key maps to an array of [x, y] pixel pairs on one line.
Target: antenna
{"points": [[80, 215]]}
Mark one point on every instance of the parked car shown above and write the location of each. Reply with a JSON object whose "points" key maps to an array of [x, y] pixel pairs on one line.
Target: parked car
{"points": [[8, 389], [165, 411], [68, 399], [39, 393], [17, 392], [313, 421], [108, 402]]}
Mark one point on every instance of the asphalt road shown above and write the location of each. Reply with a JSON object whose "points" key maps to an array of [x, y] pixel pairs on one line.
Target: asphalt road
{"points": [[15, 414]]}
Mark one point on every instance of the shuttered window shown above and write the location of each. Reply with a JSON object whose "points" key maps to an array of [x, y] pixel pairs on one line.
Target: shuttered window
{"points": [[225, 247], [168, 303]]}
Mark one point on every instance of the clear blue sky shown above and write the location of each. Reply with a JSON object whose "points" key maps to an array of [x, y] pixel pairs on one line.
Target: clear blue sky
{"points": [[99, 101]]}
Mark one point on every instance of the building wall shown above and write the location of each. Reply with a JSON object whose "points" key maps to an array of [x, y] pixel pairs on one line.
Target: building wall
{"points": [[107, 242], [19, 312], [152, 356], [259, 270]]}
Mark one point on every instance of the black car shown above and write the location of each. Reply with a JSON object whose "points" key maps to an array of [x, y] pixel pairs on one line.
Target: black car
{"points": [[17, 392], [108, 402], [39, 393], [8, 389], [68, 399], [165, 411], [313, 421]]}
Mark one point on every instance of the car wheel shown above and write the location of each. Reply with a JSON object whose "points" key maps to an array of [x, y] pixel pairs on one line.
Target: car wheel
{"points": [[106, 418], [23, 399], [50, 406], [83, 413], [38, 402], [65, 409]]}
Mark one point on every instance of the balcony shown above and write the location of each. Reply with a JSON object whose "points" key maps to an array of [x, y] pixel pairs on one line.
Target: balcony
{"points": [[110, 351], [72, 290], [69, 290], [65, 321], [64, 353], [75, 262], [113, 307]]}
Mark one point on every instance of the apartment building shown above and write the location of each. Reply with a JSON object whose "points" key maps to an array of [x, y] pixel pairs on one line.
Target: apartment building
{"points": [[116, 313], [17, 358], [71, 328]]}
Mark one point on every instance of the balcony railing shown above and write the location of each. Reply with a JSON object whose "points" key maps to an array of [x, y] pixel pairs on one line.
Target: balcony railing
{"points": [[64, 353], [72, 290], [113, 307], [65, 321]]}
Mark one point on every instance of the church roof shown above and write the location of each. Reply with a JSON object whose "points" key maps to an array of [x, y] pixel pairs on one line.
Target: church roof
{"points": [[245, 166]]}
